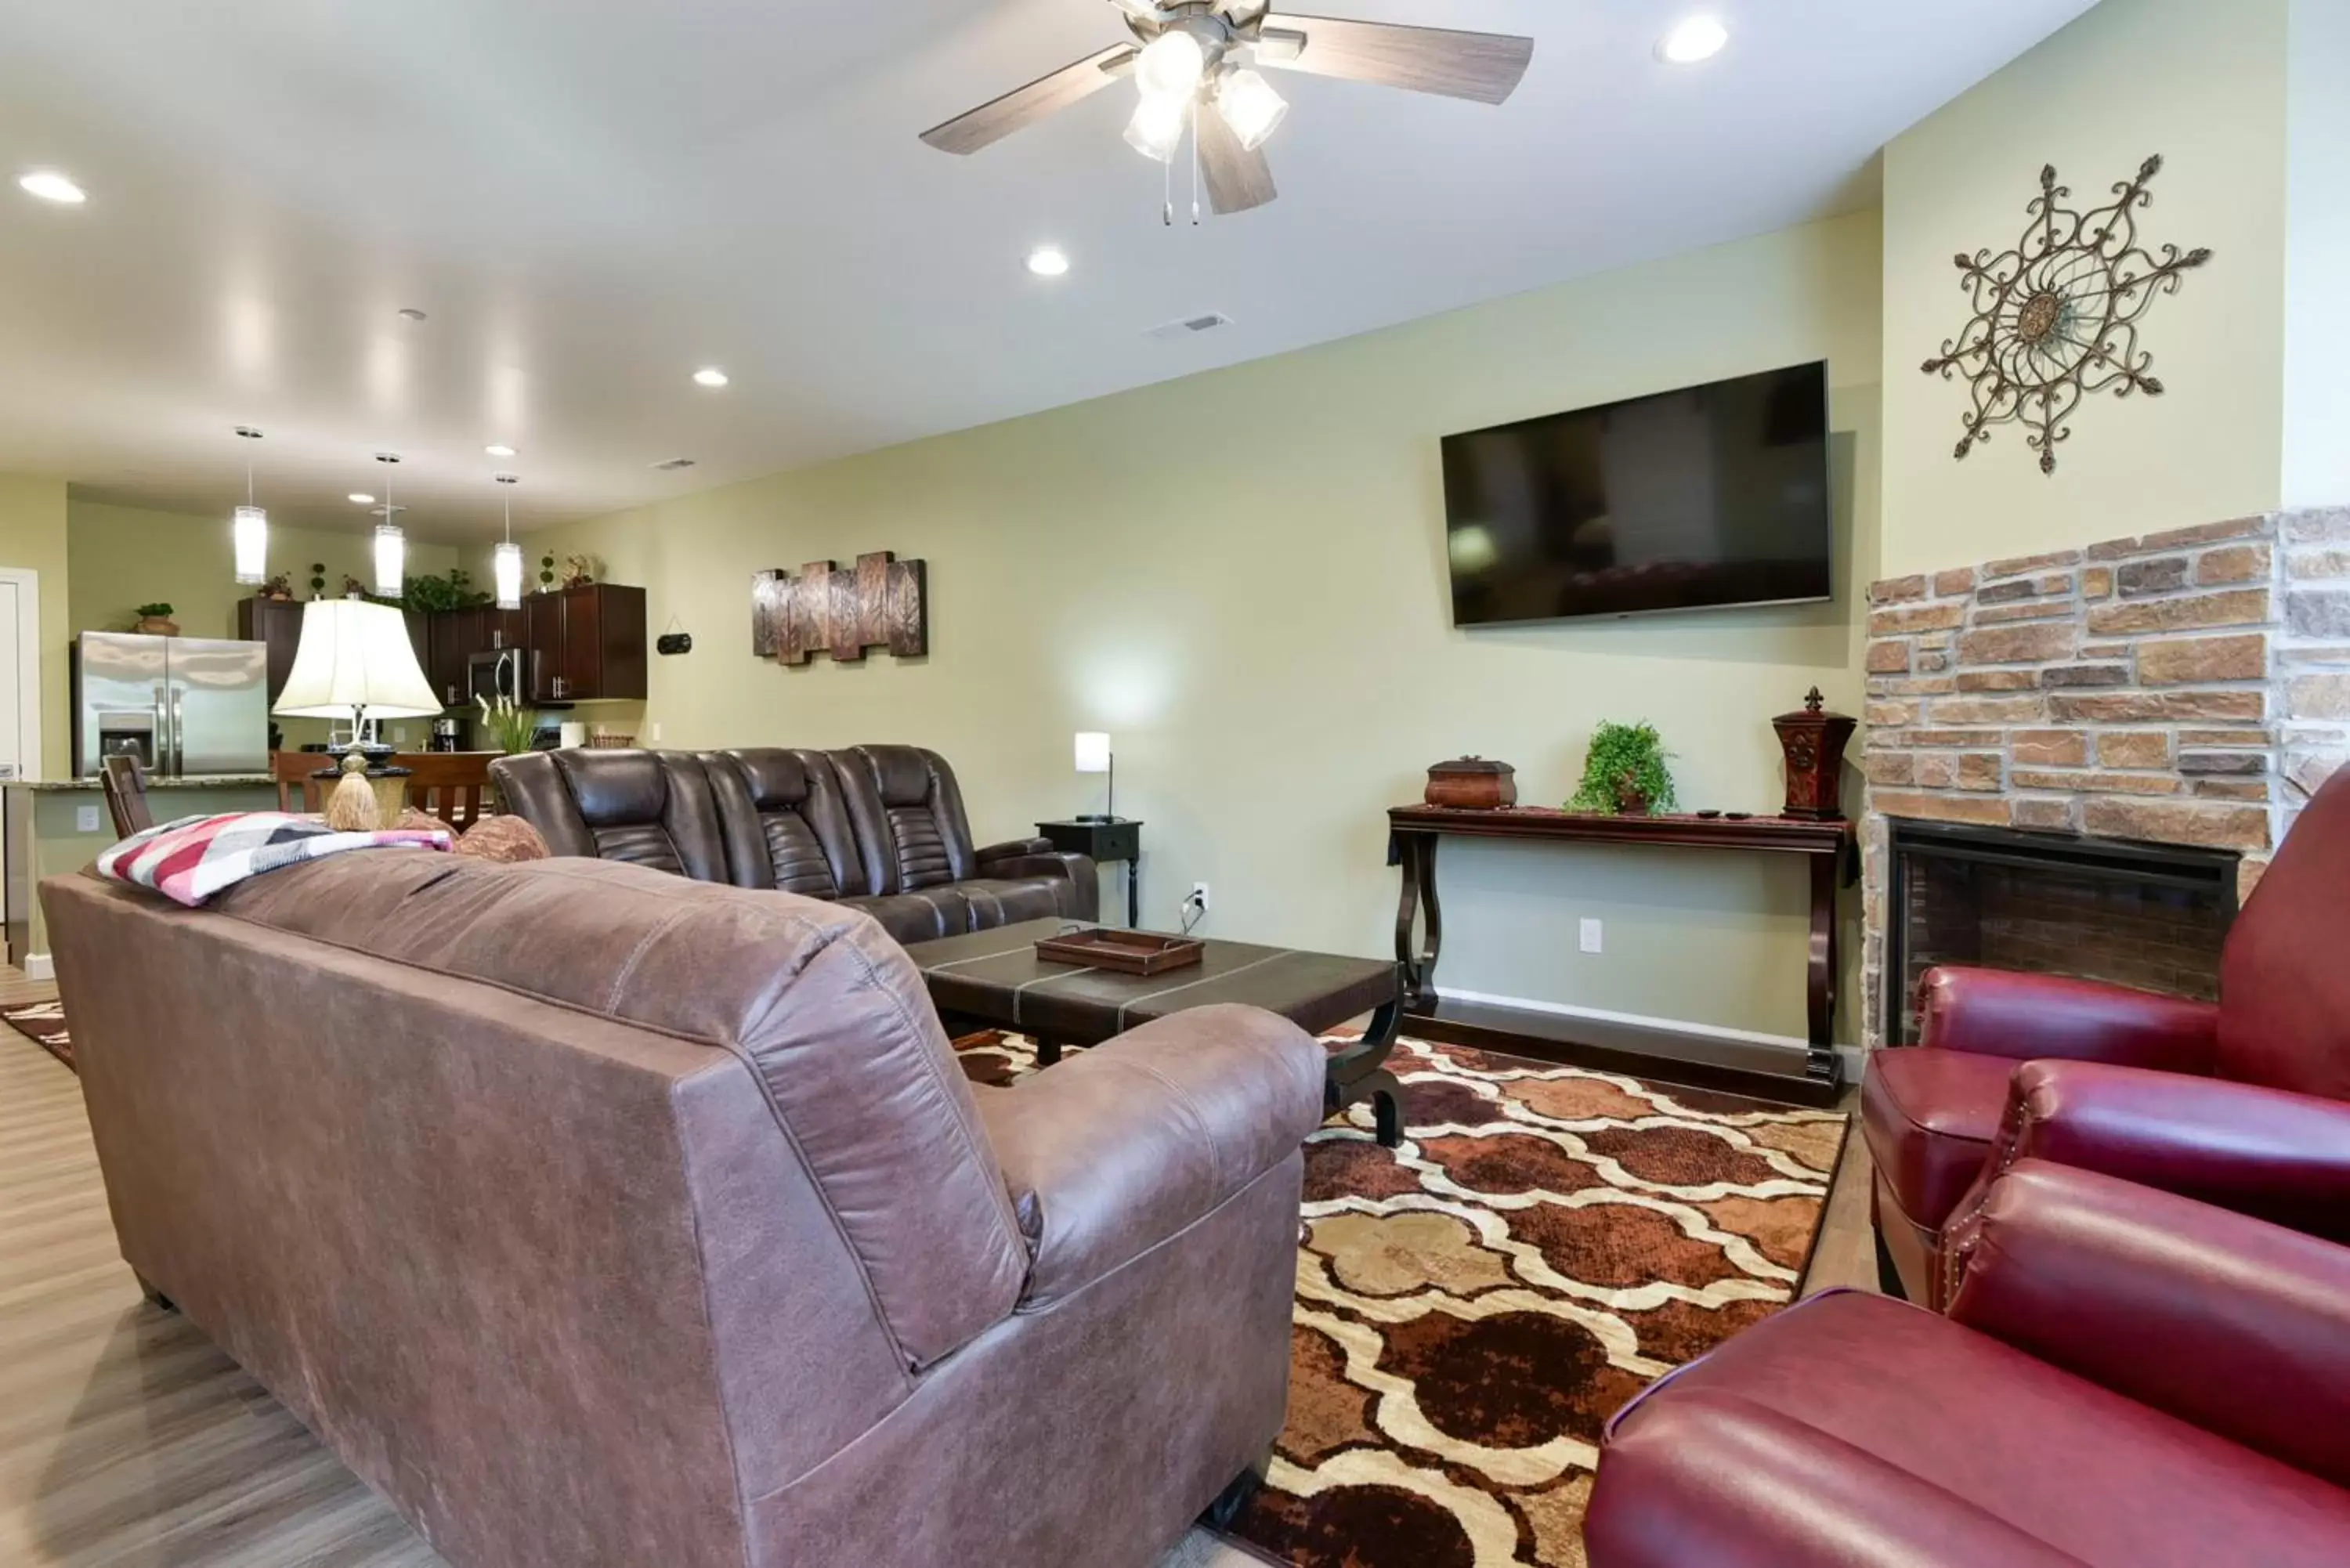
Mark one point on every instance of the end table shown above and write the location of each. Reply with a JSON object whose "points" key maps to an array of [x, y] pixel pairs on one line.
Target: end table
{"points": [[1118, 839]]}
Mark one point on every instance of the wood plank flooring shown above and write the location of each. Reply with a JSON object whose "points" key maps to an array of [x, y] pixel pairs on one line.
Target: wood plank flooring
{"points": [[127, 1442]]}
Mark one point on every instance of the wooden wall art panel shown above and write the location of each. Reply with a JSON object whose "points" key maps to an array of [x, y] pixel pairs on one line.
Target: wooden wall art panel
{"points": [[843, 611]]}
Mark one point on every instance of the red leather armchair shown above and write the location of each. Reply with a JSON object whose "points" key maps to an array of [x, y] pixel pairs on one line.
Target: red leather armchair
{"points": [[2245, 1104], [2125, 1377]]}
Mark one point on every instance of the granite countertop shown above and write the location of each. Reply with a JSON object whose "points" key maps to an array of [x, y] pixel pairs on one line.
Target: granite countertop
{"points": [[195, 781]]}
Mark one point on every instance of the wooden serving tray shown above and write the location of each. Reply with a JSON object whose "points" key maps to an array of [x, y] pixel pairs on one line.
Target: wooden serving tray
{"points": [[1133, 952]]}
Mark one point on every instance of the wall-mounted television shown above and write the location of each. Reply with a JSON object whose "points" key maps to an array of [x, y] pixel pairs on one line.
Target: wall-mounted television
{"points": [[1710, 495]]}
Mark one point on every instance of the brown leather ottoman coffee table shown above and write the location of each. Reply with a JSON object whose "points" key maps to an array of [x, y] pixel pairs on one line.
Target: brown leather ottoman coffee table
{"points": [[996, 980]]}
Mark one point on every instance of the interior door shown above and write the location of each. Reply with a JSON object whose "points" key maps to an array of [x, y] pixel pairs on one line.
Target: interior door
{"points": [[16, 744]]}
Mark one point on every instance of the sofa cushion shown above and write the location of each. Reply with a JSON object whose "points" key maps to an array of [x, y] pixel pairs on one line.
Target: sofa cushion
{"points": [[784, 822], [2285, 1013], [830, 1015], [1930, 1117], [1857, 1429], [908, 816], [922, 917], [1007, 900]]}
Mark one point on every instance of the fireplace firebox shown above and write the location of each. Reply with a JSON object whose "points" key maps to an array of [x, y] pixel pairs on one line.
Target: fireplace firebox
{"points": [[2150, 915]]}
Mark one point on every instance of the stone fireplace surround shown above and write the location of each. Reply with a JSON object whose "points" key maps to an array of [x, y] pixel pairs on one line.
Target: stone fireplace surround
{"points": [[2191, 687]]}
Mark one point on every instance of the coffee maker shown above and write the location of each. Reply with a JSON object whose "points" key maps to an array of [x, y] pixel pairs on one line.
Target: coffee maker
{"points": [[448, 735]]}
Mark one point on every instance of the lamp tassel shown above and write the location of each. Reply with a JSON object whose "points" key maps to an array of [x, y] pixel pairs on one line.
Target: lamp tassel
{"points": [[352, 807]]}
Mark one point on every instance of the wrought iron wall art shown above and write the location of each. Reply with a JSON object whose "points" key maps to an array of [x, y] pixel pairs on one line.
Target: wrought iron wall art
{"points": [[877, 603], [2056, 314]]}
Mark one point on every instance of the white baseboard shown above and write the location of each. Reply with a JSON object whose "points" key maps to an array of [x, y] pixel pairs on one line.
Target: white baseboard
{"points": [[40, 966]]}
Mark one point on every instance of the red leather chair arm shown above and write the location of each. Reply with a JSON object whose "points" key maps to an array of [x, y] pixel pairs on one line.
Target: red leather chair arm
{"points": [[1999, 1012], [2236, 1326], [1118, 1148], [2269, 1153]]}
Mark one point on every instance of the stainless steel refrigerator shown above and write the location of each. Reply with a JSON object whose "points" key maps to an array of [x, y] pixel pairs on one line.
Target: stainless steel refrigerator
{"points": [[185, 706]]}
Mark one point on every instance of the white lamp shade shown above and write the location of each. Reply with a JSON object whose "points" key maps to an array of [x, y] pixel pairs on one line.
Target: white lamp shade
{"points": [[505, 571], [1170, 67], [1250, 108], [1093, 751], [251, 535], [1156, 129], [355, 655], [390, 559]]}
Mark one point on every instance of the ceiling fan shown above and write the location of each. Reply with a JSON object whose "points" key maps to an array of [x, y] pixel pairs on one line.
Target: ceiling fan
{"points": [[1190, 60]]}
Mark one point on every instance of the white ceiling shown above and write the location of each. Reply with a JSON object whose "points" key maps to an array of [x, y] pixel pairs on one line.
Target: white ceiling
{"points": [[591, 198]]}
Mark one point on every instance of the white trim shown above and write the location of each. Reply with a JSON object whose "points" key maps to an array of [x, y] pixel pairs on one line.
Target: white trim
{"points": [[1635, 1020], [40, 966], [29, 666]]}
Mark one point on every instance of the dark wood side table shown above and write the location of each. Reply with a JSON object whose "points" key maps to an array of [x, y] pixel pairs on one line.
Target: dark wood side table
{"points": [[1831, 849], [1119, 839]]}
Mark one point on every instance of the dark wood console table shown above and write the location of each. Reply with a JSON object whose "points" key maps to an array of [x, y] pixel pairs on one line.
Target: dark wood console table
{"points": [[1832, 847]]}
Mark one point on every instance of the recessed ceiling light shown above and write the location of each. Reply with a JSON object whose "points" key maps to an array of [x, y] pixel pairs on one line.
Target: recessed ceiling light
{"points": [[51, 186], [500, 449], [710, 376], [1046, 262], [361, 498], [1698, 38]]}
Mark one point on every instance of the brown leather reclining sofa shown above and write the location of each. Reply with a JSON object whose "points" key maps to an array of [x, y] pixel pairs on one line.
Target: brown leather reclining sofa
{"points": [[602, 1218], [880, 828]]}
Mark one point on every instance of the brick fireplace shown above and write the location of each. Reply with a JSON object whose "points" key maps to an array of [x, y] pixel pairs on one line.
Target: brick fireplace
{"points": [[2188, 689]]}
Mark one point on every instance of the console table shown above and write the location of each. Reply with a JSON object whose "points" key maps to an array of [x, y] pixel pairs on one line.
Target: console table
{"points": [[1831, 849]]}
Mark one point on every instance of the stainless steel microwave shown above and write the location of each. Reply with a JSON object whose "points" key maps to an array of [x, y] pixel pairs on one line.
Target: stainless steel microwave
{"points": [[501, 673]]}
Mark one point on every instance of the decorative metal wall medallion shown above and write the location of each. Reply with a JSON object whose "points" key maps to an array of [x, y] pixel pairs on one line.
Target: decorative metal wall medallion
{"points": [[2055, 315]]}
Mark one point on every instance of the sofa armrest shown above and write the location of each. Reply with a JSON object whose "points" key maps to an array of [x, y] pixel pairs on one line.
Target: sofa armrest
{"points": [[1013, 849], [2236, 1326], [2269, 1153], [1119, 1148], [2000, 1013]]}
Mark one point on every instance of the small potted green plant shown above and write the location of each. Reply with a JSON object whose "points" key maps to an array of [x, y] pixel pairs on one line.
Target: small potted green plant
{"points": [[511, 729], [318, 580], [1626, 772], [156, 620], [547, 573]]}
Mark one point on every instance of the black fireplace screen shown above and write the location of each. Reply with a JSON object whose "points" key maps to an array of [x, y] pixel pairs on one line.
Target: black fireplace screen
{"points": [[2146, 915]]}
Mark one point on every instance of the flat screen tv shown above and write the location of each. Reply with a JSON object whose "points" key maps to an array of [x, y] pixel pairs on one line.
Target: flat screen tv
{"points": [[1710, 495]]}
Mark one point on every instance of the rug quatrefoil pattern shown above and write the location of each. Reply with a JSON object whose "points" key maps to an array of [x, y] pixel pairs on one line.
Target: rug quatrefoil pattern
{"points": [[1473, 1305]]}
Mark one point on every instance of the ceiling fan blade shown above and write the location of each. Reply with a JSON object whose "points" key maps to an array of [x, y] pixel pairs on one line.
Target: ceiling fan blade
{"points": [[1237, 178], [1485, 67], [992, 122]]}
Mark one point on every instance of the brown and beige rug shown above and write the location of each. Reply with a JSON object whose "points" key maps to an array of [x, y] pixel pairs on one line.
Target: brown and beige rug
{"points": [[1473, 1305], [44, 1022]]}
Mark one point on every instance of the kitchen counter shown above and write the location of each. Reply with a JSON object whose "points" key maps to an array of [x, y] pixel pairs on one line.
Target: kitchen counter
{"points": [[53, 828], [193, 781]]}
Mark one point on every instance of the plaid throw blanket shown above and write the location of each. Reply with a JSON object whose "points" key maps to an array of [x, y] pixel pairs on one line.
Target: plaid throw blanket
{"points": [[191, 860]]}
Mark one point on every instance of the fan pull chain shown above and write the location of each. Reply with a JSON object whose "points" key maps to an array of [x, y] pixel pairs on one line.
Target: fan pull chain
{"points": [[1195, 163], [1167, 203]]}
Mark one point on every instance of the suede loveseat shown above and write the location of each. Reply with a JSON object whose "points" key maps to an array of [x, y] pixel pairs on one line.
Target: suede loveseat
{"points": [[880, 828], [600, 1217]]}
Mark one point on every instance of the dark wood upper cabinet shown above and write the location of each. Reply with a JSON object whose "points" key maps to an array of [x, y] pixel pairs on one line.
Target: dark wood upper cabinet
{"points": [[279, 623], [586, 644]]}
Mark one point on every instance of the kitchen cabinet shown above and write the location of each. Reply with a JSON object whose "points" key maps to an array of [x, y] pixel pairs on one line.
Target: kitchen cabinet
{"points": [[279, 623], [586, 644], [454, 636]]}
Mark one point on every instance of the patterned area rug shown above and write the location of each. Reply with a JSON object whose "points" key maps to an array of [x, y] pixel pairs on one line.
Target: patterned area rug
{"points": [[1473, 1305], [42, 1022]]}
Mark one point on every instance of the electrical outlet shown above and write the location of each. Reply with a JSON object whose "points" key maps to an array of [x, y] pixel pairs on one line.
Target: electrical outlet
{"points": [[1199, 899], [86, 819], [1592, 933]]}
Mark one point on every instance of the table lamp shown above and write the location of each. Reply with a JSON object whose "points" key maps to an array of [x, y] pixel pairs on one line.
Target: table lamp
{"points": [[355, 662], [1094, 757]]}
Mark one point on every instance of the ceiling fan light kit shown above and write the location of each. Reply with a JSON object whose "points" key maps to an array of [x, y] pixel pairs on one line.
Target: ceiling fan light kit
{"points": [[1199, 53]]}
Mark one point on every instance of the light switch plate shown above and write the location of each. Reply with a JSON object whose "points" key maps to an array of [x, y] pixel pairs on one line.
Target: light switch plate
{"points": [[87, 819], [1592, 933]]}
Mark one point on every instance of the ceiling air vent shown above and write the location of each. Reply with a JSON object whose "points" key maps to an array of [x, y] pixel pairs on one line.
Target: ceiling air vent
{"points": [[672, 465], [1191, 326]]}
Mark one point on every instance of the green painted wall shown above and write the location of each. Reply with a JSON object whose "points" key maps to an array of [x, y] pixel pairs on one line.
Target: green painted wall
{"points": [[1240, 576]]}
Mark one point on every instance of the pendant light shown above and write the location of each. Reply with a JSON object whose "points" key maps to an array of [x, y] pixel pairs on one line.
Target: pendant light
{"points": [[390, 541], [249, 534], [505, 561]]}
